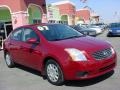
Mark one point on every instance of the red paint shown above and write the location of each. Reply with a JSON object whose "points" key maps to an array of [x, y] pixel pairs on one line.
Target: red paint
{"points": [[24, 54]]}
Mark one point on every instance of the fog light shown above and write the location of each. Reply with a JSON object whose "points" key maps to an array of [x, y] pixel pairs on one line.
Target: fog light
{"points": [[82, 74]]}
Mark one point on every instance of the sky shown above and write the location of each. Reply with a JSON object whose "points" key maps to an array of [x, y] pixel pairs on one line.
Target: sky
{"points": [[108, 10]]}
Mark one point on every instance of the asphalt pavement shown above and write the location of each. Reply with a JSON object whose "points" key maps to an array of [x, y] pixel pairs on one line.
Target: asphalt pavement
{"points": [[22, 78]]}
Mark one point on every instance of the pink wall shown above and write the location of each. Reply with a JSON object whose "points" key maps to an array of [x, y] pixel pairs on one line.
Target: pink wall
{"points": [[19, 19], [21, 5], [67, 9], [18, 9], [85, 14]]}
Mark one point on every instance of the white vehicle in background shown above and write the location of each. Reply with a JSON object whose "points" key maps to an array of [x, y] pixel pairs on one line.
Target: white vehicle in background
{"points": [[98, 29]]}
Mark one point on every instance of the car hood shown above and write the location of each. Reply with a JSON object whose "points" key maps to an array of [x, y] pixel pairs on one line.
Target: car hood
{"points": [[88, 44], [90, 30]]}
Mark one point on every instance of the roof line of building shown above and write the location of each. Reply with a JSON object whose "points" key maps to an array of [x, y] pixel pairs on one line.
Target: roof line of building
{"points": [[63, 2], [82, 9]]}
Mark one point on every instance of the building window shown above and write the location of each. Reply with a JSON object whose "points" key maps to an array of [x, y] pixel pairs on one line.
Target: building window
{"points": [[36, 21]]}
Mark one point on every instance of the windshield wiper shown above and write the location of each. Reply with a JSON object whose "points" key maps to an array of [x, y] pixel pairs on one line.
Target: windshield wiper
{"points": [[67, 38], [56, 39], [73, 37]]}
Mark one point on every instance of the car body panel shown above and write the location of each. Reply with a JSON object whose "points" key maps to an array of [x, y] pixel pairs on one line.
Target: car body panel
{"points": [[83, 43], [35, 55]]}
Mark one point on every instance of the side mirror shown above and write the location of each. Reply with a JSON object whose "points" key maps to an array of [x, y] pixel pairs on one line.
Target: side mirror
{"points": [[33, 41]]}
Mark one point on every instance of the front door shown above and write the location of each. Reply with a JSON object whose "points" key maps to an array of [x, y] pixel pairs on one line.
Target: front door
{"points": [[31, 54]]}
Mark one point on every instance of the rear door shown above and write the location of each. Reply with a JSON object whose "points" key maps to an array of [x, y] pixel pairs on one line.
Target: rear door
{"points": [[15, 45]]}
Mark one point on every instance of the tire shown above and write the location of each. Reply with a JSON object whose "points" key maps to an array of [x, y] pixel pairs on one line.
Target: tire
{"points": [[9, 61], [54, 73], [108, 35]]}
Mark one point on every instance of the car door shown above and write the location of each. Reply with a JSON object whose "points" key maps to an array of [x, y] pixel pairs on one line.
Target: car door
{"points": [[15, 45], [31, 53]]}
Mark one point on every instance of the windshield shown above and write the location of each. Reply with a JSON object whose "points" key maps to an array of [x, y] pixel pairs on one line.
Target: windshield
{"points": [[56, 32], [115, 25]]}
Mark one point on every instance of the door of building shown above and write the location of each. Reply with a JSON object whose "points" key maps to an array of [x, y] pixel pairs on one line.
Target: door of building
{"points": [[5, 29]]}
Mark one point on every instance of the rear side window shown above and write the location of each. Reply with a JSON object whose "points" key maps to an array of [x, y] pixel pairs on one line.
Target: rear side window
{"points": [[17, 35]]}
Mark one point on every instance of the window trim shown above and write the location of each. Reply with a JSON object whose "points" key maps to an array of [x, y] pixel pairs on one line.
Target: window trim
{"points": [[16, 30], [31, 30]]}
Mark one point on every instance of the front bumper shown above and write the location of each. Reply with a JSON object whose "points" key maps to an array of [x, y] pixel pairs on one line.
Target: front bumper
{"points": [[113, 34], [89, 69]]}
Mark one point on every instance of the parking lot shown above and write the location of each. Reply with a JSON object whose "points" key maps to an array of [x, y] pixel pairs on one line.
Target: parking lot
{"points": [[22, 78]]}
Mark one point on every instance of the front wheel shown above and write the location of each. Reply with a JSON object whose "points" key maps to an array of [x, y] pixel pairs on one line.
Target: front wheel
{"points": [[54, 73], [8, 60]]}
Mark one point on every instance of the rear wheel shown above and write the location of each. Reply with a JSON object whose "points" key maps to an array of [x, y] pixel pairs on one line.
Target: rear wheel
{"points": [[54, 73], [8, 60]]}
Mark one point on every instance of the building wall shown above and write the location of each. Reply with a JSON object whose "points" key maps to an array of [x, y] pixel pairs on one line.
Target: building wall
{"points": [[83, 14], [53, 13], [19, 10], [94, 18], [13, 5], [21, 5], [66, 8], [69, 10]]}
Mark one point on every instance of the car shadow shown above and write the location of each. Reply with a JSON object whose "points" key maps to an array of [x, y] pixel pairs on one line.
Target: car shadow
{"points": [[35, 72], [73, 83], [89, 82]]}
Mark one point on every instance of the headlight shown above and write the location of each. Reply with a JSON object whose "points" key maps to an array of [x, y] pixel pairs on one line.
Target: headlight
{"points": [[76, 54], [113, 51], [110, 30]]}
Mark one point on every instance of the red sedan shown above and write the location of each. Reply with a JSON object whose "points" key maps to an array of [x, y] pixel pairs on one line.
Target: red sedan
{"points": [[59, 52]]}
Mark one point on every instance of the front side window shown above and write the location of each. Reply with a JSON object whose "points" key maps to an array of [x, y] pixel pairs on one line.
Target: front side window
{"points": [[29, 33], [17, 35], [55, 32]]}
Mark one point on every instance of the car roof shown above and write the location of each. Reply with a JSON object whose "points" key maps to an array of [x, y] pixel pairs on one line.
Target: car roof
{"points": [[35, 25]]}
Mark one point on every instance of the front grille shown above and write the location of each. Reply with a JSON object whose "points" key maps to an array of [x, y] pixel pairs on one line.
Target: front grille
{"points": [[99, 55], [108, 67]]}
